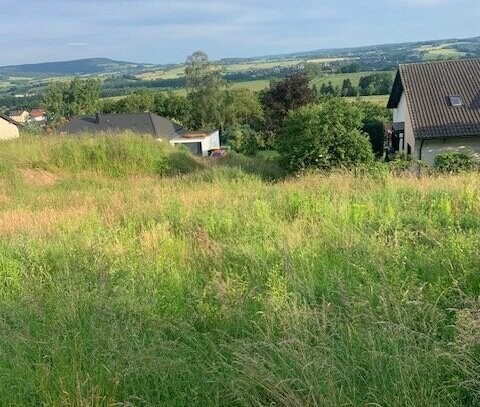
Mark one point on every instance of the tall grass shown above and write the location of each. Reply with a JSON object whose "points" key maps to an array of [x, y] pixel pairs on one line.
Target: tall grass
{"points": [[119, 287]]}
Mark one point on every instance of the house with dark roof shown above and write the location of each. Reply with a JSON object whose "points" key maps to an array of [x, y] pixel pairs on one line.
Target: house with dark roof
{"points": [[200, 143], [436, 108], [8, 128]]}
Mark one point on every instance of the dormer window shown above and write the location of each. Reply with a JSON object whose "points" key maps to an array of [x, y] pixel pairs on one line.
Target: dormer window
{"points": [[455, 101]]}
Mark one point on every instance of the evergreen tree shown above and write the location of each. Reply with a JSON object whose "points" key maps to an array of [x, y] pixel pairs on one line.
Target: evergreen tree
{"points": [[347, 88]]}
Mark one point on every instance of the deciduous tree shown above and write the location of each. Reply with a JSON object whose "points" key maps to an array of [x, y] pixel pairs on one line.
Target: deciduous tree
{"points": [[64, 100], [289, 94], [205, 87]]}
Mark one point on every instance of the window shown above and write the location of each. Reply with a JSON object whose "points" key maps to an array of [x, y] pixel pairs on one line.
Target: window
{"points": [[409, 149], [455, 101]]}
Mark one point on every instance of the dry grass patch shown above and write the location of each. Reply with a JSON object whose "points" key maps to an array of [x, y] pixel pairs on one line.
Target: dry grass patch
{"points": [[37, 176], [37, 223]]}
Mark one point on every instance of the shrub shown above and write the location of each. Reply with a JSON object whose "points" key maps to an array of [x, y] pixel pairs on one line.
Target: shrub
{"points": [[245, 140], [454, 162], [325, 136]]}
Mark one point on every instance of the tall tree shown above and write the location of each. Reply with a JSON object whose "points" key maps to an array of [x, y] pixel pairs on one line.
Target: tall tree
{"points": [[55, 103], [205, 86], [64, 100], [242, 107], [140, 101], [328, 90], [173, 106], [348, 89], [289, 94]]}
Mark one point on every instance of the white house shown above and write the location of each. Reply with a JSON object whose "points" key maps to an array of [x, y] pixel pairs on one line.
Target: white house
{"points": [[436, 108], [8, 128], [199, 143]]}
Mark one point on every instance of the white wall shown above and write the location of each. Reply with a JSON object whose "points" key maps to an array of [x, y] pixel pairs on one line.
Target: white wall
{"points": [[400, 113], [431, 148], [211, 142], [8, 131]]}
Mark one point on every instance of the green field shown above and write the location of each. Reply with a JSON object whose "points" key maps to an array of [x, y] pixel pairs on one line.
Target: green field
{"points": [[124, 284], [241, 67], [248, 66], [380, 100], [443, 51]]}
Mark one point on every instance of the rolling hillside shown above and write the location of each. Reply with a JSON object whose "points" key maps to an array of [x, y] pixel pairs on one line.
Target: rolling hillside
{"points": [[66, 68], [23, 85], [375, 57]]}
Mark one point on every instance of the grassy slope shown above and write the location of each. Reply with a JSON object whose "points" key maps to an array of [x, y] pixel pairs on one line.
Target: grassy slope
{"points": [[217, 288]]}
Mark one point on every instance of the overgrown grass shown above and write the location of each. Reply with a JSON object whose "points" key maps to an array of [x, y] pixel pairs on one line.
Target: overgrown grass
{"points": [[114, 156], [120, 287]]}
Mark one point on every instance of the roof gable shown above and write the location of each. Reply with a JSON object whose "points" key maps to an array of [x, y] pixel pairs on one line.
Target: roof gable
{"points": [[429, 86], [397, 92]]}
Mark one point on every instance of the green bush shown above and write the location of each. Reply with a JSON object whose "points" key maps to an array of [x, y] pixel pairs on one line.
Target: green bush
{"points": [[454, 162], [325, 136], [245, 140]]}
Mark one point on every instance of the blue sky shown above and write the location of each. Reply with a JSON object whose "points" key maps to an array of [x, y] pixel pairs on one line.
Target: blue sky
{"points": [[163, 31]]}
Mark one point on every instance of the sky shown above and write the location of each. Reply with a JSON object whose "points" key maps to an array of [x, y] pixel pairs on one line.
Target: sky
{"points": [[167, 31]]}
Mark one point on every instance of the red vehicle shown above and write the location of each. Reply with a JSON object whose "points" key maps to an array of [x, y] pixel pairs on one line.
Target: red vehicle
{"points": [[214, 154]]}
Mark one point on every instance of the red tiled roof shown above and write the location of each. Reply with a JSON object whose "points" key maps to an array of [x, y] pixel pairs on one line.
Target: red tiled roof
{"points": [[37, 113]]}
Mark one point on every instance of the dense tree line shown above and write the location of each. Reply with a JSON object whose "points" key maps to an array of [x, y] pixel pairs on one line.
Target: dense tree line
{"points": [[379, 83]]}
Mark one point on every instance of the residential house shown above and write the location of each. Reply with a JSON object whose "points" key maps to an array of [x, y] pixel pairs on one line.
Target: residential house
{"points": [[20, 116], [38, 117], [200, 143], [8, 128], [436, 108]]}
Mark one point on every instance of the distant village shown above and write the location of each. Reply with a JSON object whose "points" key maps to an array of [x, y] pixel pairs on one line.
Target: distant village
{"points": [[35, 117]]}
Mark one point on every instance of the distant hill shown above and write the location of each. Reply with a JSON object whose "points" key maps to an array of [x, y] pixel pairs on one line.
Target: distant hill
{"points": [[77, 67], [374, 57], [385, 56]]}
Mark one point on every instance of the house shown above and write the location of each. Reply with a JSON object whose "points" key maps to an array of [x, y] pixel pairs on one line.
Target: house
{"points": [[20, 116], [8, 128], [436, 108], [38, 117], [200, 143]]}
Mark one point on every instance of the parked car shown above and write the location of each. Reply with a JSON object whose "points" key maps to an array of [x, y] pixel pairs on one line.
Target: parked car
{"points": [[215, 154]]}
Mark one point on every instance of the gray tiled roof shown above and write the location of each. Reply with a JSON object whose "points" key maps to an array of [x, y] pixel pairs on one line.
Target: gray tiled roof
{"points": [[428, 87], [141, 123]]}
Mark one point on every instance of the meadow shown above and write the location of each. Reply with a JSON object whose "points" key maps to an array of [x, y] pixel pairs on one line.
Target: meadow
{"points": [[132, 274]]}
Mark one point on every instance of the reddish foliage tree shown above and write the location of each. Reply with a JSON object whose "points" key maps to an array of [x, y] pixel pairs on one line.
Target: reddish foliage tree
{"points": [[289, 94]]}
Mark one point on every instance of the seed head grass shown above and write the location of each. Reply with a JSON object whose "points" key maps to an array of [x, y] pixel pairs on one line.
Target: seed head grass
{"points": [[132, 274]]}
